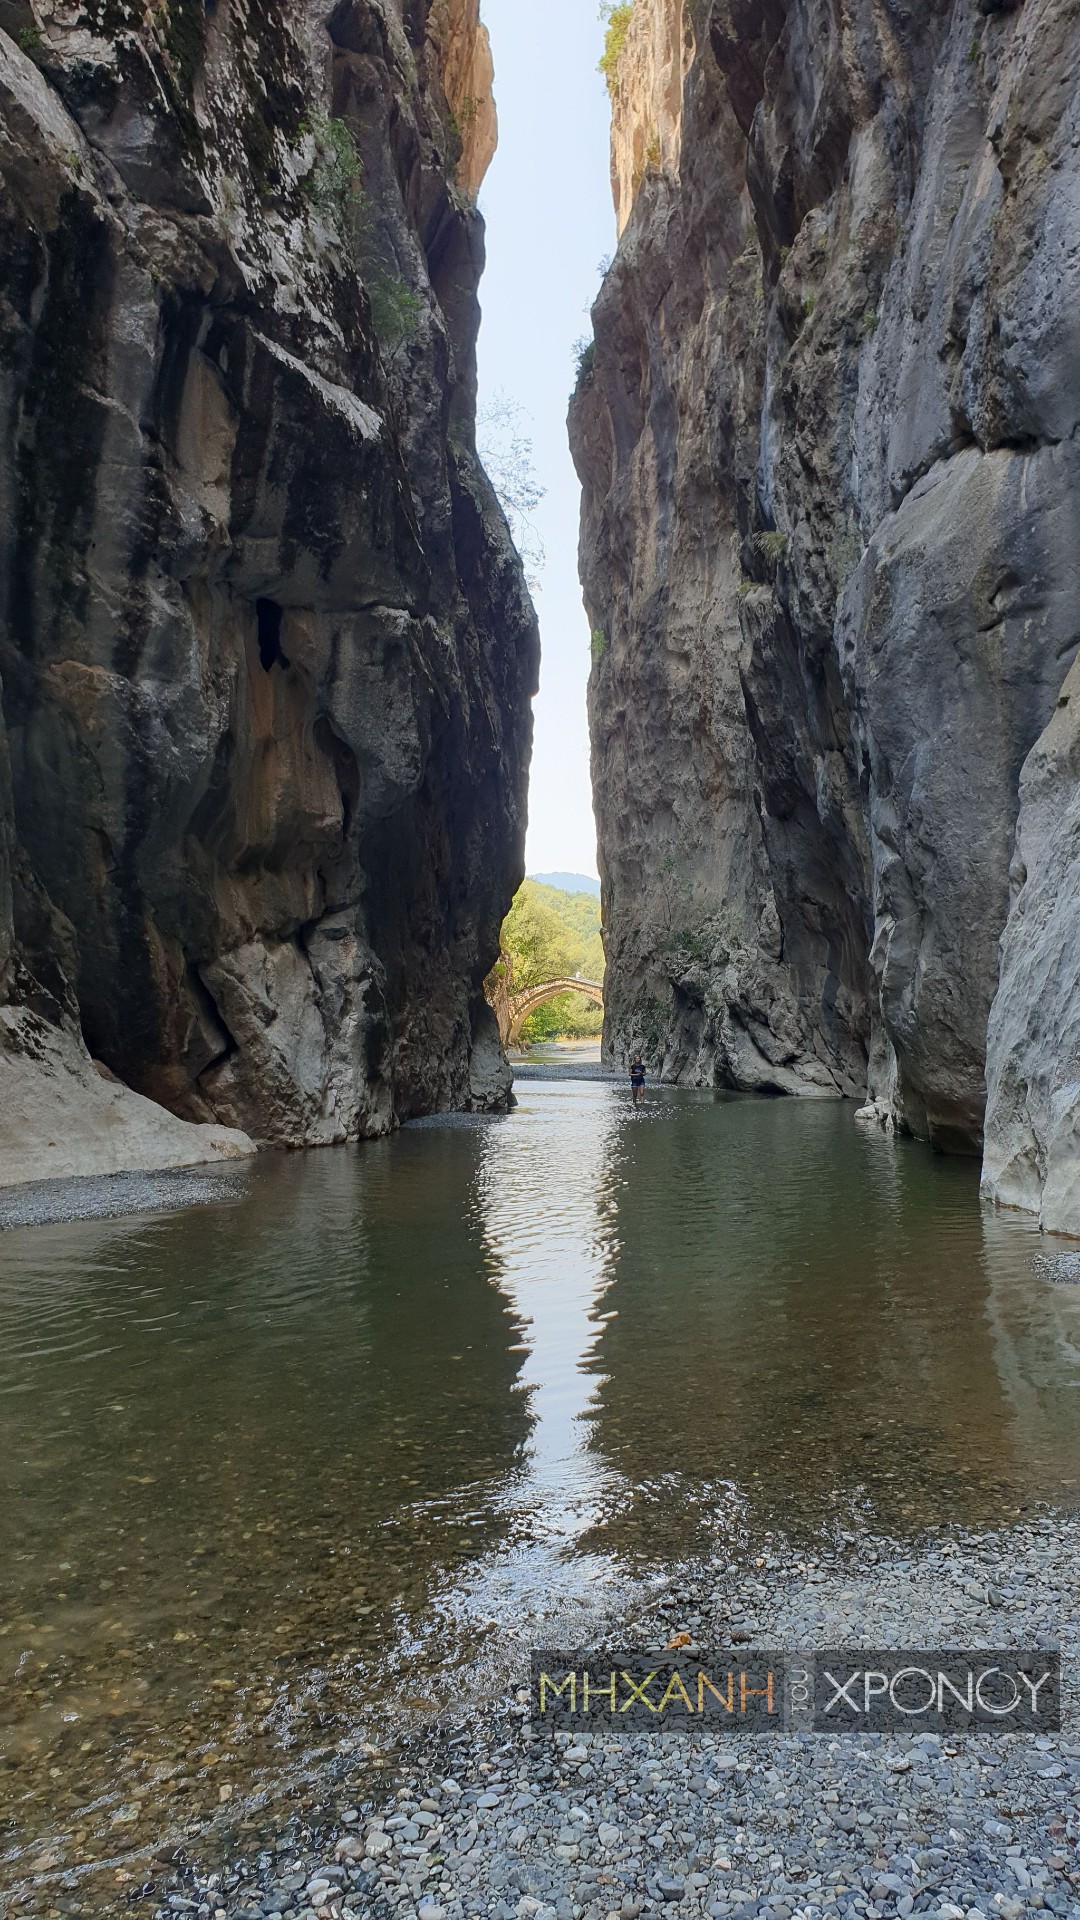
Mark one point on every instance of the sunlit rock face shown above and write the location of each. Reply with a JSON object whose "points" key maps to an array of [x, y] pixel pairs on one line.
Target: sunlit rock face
{"points": [[646, 85], [830, 543], [266, 650], [462, 52]]}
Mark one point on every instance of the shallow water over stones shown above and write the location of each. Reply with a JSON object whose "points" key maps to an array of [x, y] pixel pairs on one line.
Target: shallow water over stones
{"points": [[284, 1475]]}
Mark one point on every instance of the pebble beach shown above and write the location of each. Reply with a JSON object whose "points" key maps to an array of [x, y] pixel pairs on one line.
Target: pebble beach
{"points": [[505, 1819]]}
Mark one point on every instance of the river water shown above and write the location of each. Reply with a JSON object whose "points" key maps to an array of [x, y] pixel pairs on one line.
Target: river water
{"points": [[283, 1475]]}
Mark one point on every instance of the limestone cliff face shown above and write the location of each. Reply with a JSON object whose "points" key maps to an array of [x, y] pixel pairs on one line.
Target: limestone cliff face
{"points": [[463, 53], [265, 645], [1033, 1112], [831, 538], [646, 88]]}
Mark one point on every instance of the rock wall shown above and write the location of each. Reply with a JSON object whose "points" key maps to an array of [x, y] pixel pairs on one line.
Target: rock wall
{"points": [[463, 55], [1033, 1113], [830, 539], [266, 649], [646, 87]]}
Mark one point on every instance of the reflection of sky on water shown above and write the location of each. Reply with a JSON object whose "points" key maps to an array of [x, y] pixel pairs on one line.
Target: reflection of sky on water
{"points": [[544, 1189], [750, 1313], [319, 1435], [740, 1309], [542, 1194]]}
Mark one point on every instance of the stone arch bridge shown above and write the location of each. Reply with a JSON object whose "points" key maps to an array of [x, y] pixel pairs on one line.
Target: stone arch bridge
{"points": [[513, 1009]]}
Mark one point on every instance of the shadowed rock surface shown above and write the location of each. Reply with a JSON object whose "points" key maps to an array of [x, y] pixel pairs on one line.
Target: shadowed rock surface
{"points": [[1033, 1113], [831, 545], [265, 645]]}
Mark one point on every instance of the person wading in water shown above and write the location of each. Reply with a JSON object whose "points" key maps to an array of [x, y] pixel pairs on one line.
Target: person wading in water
{"points": [[637, 1079]]}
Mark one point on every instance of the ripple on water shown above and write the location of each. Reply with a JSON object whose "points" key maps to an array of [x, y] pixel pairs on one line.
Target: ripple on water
{"points": [[352, 1437]]}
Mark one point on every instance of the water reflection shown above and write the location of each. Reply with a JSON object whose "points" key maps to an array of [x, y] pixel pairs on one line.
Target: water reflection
{"points": [[1036, 1339], [807, 1331], [545, 1193], [278, 1472], [240, 1447], [544, 1196]]}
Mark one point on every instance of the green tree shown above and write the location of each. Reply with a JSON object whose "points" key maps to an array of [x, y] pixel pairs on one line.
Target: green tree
{"points": [[551, 935], [618, 20], [570, 1017], [538, 938], [333, 184]]}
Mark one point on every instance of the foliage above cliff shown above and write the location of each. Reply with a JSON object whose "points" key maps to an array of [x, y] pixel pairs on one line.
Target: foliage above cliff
{"points": [[618, 20]]}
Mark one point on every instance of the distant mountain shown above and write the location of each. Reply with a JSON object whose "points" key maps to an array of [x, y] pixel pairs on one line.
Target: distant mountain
{"points": [[568, 882]]}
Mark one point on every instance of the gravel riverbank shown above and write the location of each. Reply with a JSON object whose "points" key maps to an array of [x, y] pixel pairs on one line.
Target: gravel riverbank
{"points": [[48, 1203], [551, 1069], [504, 1819]]}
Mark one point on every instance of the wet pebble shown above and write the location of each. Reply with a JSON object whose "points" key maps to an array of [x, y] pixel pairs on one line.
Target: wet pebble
{"points": [[798, 1827]]}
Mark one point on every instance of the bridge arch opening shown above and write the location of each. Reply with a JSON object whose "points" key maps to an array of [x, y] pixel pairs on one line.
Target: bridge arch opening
{"points": [[528, 999], [513, 1007]]}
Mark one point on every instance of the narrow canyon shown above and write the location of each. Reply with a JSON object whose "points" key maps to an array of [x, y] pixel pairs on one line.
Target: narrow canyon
{"points": [[372, 1326], [266, 648], [827, 435]]}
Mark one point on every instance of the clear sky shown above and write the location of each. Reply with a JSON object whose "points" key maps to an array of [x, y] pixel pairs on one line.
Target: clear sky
{"points": [[550, 222]]}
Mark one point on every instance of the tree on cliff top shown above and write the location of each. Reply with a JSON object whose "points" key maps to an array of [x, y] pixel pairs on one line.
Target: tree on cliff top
{"points": [[618, 20]]}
